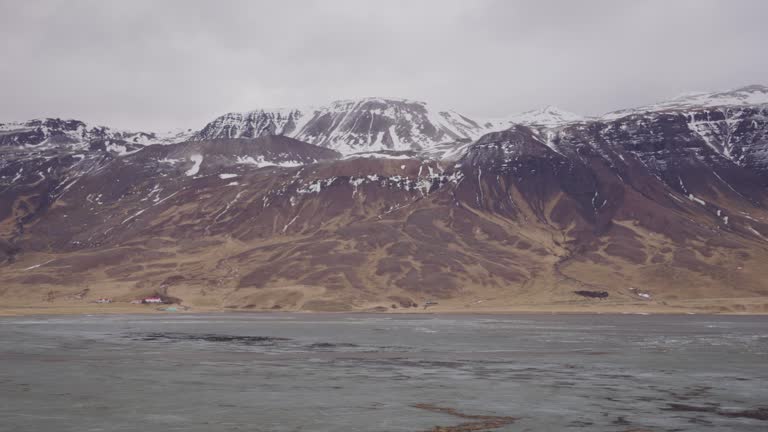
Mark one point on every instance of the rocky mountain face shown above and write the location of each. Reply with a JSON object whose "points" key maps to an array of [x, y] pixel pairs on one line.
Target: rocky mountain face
{"points": [[254, 124], [662, 207]]}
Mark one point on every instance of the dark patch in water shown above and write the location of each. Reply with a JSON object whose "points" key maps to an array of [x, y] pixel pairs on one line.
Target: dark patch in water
{"points": [[753, 413], [480, 423], [330, 346], [700, 421], [759, 413], [239, 340], [621, 421], [691, 408]]}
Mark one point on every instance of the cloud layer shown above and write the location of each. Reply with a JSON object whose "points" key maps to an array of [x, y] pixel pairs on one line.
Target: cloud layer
{"points": [[154, 65]]}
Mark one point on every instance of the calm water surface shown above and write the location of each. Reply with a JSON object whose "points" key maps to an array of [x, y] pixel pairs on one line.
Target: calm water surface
{"points": [[305, 372]]}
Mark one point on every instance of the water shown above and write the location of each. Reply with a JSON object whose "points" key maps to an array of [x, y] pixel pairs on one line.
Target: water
{"points": [[346, 372]]}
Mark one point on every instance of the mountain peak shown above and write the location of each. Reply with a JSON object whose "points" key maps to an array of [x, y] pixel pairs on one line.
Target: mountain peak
{"points": [[378, 99], [549, 116]]}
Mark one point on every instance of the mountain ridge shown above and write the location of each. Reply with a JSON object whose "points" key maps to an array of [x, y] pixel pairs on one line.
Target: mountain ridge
{"points": [[670, 204], [341, 124], [750, 95]]}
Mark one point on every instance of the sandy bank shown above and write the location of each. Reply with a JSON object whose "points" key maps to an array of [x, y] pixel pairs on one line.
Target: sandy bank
{"points": [[742, 306]]}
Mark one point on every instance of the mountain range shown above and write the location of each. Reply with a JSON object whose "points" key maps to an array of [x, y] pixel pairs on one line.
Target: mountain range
{"points": [[383, 204]]}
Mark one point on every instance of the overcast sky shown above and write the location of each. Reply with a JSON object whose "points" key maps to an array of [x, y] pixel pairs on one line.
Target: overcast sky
{"points": [[158, 64]]}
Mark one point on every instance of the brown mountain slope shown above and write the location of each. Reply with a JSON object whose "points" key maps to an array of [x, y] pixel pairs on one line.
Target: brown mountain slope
{"points": [[518, 222]]}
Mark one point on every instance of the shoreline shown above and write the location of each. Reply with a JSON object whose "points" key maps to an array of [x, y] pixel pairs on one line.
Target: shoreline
{"points": [[119, 309]]}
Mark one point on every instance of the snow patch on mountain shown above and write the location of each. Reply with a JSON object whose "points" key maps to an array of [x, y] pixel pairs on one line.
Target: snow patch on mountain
{"points": [[197, 159], [261, 162], [171, 136], [378, 155]]}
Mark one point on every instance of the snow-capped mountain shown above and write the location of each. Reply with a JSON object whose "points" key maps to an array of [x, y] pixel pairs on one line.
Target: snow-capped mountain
{"points": [[350, 126], [545, 117], [78, 135]]}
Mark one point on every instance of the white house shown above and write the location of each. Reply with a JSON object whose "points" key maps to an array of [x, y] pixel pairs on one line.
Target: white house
{"points": [[153, 300]]}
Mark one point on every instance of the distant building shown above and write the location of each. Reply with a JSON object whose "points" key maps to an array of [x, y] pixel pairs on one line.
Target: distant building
{"points": [[137, 301], [152, 300], [429, 303], [104, 300]]}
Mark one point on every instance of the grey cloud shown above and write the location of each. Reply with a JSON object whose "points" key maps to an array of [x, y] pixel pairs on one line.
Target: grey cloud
{"points": [[152, 64]]}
